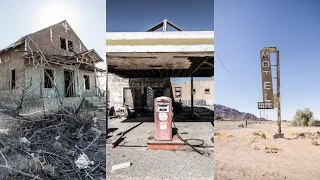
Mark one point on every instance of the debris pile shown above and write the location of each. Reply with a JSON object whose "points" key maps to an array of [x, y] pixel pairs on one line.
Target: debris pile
{"points": [[308, 135], [271, 149], [65, 145]]}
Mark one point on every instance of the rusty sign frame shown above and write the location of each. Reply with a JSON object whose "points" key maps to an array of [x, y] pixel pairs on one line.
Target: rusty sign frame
{"points": [[267, 88]]}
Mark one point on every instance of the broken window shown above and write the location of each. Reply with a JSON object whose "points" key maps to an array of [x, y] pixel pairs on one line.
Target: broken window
{"points": [[194, 91], [70, 46], [13, 79], [178, 92], [207, 91], [86, 82], [63, 43], [48, 83]]}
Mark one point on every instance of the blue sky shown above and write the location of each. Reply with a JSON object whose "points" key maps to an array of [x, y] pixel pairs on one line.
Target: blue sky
{"points": [[131, 16], [138, 16], [87, 18], [244, 27]]}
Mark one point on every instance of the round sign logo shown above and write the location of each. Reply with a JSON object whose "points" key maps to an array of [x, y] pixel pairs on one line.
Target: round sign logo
{"points": [[163, 116]]}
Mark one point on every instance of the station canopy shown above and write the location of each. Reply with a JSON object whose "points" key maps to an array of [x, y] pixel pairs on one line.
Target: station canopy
{"points": [[154, 54]]}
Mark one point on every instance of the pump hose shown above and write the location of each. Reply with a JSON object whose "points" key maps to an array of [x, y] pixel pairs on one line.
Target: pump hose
{"points": [[185, 141]]}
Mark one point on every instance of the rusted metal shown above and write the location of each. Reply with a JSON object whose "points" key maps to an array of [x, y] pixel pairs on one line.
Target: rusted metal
{"points": [[174, 144], [163, 118], [167, 146], [278, 91]]}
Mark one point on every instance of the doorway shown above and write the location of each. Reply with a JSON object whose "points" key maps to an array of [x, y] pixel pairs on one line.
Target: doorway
{"points": [[68, 83], [158, 92]]}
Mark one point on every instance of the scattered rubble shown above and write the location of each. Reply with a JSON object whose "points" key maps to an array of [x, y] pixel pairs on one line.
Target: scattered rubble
{"points": [[308, 135], [83, 162], [121, 166]]}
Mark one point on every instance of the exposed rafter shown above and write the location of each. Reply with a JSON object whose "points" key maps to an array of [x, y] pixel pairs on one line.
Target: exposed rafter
{"points": [[164, 24]]}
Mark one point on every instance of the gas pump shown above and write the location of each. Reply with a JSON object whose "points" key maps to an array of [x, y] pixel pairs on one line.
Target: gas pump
{"points": [[163, 118]]}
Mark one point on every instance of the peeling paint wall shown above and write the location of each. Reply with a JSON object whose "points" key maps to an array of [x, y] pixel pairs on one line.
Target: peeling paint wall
{"points": [[37, 76], [200, 97], [117, 84], [8, 61]]}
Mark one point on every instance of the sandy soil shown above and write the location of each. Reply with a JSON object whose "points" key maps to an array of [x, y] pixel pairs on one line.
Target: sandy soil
{"points": [[241, 155]]}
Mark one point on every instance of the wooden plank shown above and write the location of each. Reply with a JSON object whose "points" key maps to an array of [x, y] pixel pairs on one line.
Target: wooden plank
{"points": [[121, 166]]}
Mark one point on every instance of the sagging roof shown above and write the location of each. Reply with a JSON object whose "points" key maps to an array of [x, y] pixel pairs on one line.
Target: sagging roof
{"points": [[189, 67], [92, 53]]}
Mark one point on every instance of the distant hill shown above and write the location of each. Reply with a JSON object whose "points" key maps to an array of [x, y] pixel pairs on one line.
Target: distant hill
{"points": [[228, 113]]}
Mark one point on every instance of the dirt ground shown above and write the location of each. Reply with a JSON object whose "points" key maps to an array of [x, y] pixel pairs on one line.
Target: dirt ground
{"points": [[159, 164], [239, 154]]}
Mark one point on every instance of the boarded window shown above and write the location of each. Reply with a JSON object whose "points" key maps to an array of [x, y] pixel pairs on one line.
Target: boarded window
{"points": [[178, 92], [48, 83], [63, 43], [13, 79], [207, 91], [86, 82], [70, 46]]}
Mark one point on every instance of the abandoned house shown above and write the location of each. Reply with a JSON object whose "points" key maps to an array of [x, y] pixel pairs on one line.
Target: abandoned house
{"points": [[140, 64], [46, 67], [202, 92]]}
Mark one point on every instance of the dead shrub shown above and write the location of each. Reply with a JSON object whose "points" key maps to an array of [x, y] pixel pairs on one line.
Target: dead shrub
{"points": [[315, 143], [272, 149], [256, 134], [261, 135], [256, 148]]}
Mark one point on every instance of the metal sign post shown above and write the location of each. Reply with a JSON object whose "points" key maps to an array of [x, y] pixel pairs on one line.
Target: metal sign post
{"points": [[278, 91]]}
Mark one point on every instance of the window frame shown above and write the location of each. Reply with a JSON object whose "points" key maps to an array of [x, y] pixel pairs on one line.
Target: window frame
{"points": [[207, 92], [53, 78], [175, 92], [85, 88]]}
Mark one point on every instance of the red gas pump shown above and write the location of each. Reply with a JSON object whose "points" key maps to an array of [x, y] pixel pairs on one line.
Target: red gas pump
{"points": [[163, 118]]}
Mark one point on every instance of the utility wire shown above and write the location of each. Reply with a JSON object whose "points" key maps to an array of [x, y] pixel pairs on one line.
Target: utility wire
{"points": [[232, 77]]}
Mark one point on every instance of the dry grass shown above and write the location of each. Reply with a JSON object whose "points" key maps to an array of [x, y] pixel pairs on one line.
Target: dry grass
{"points": [[222, 135], [260, 135], [272, 149], [256, 148]]}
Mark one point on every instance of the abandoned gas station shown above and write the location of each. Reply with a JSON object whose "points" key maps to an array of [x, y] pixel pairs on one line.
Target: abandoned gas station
{"points": [[140, 64]]}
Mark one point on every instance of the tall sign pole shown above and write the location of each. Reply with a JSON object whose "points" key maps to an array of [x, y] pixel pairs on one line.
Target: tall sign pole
{"points": [[278, 91]]}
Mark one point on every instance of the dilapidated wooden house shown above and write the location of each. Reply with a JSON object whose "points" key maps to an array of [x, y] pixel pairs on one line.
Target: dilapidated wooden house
{"points": [[46, 67]]}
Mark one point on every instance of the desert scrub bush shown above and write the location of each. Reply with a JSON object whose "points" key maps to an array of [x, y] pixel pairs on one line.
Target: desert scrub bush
{"points": [[313, 122], [302, 117]]}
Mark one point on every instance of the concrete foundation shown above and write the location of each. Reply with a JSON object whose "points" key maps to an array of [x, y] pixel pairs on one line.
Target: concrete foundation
{"points": [[277, 136]]}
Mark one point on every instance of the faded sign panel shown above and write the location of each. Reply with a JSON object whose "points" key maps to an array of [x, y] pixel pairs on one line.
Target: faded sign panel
{"points": [[267, 88]]}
